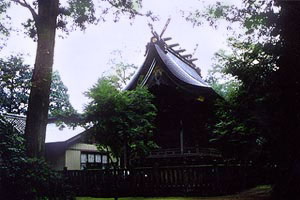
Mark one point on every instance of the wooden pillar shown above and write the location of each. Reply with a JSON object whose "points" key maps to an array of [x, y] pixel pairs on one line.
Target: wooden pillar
{"points": [[125, 156], [181, 137]]}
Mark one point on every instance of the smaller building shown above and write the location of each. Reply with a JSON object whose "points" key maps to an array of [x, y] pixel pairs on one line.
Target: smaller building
{"points": [[75, 154], [66, 148]]}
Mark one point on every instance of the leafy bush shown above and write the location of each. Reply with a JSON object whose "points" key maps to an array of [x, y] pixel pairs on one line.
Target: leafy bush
{"points": [[122, 121], [22, 177]]}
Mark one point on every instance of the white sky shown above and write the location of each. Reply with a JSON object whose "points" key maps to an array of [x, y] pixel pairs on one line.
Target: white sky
{"points": [[82, 57]]}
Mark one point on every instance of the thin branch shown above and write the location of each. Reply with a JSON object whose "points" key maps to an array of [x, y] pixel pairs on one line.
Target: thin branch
{"points": [[125, 9], [26, 5]]}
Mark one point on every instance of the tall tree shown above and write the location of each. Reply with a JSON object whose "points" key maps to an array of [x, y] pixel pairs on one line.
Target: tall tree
{"points": [[45, 22], [47, 17], [288, 95], [252, 61], [266, 59]]}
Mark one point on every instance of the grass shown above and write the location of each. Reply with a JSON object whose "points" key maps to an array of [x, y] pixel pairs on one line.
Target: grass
{"points": [[142, 198], [258, 193]]}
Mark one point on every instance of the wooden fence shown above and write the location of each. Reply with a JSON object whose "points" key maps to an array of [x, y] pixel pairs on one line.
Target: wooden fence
{"points": [[204, 180]]}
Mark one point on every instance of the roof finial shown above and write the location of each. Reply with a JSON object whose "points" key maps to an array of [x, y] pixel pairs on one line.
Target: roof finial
{"points": [[165, 27], [195, 49], [151, 27]]}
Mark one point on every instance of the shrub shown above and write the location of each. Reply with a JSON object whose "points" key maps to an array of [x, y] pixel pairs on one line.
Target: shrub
{"points": [[22, 177]]}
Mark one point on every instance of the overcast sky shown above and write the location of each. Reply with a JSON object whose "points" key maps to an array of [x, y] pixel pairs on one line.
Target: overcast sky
{"points": [[82, 57]]}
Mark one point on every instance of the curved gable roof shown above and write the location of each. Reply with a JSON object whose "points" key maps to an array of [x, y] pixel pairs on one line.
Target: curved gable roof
{"points": [[178, 68]]}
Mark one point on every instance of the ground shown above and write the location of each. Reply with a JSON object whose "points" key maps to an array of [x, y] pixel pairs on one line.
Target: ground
{"points": [[257, 193]]}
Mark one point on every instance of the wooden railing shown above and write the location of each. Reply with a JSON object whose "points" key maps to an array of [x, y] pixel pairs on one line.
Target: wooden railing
{"points": [[201, 180], [190, 151]]}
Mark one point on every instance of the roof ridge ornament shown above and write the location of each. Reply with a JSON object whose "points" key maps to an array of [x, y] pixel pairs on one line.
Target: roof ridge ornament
{"points": [[151, 28], [165, 27], [159, 40], [195, 49]]}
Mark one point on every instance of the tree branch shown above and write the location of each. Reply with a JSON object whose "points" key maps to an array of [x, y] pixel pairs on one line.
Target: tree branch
{"points": [[124, 9], [26, 5]]}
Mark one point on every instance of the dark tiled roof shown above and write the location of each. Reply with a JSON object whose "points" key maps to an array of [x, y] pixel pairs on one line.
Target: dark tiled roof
{"points": [[17, 121], [180, 69]]}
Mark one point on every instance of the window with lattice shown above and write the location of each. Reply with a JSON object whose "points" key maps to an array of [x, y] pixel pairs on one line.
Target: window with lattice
{"points": [[93, 160]]}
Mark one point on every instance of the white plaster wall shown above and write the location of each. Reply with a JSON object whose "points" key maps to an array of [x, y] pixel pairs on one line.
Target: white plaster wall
{"points": [[73, 154], [73, 159]]}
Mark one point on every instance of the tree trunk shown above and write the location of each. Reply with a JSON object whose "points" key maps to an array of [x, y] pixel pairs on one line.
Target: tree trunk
{"points": [[287, 186], [38, 105]]}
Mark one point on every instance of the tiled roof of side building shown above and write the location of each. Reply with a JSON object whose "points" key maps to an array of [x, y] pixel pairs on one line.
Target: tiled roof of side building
{"points": [[18, 121], [53, 133]]}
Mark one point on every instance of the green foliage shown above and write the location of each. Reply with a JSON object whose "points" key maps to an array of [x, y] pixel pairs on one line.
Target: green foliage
{"points": [[75, 14], [30, 29], [59, 98], [253, 17], [121, 71], [22, 177], [223, 83], [121, 119], [235, 129], [4, 26], [265, 58], [14, 85], [47, 17], [15, 79], [246, 77], [250, 105], [82, 12]]}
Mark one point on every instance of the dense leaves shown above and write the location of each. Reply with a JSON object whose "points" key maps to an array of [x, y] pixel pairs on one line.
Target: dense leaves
{"points": [[245, 76], [4, 25], [59, 98], [254, 66], [74, 14], [265, 58], [82, 12], [15, 84], [22, 177], [253, 17], [121, 120]]}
